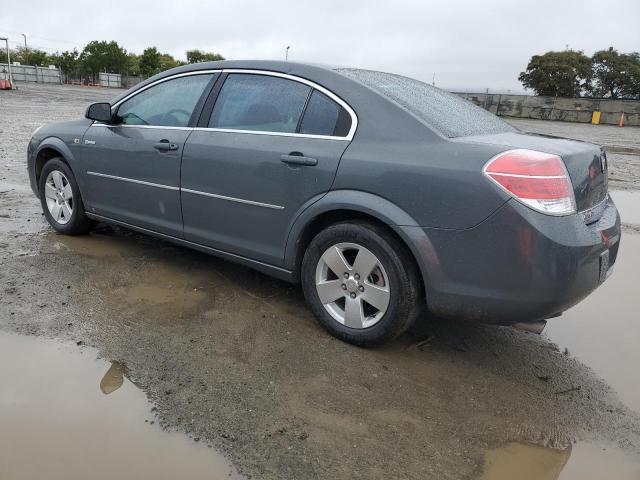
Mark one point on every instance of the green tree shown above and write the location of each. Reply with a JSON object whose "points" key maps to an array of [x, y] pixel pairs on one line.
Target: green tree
{"points": [[616, 75], [150, 61], [102, 56], [197, 56], [558, 74], [167, 62], [30, 56], [68, 61], [133, 64]]}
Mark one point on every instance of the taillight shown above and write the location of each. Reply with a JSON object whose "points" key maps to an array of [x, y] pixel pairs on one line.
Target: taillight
{"points": [[539, 180]]}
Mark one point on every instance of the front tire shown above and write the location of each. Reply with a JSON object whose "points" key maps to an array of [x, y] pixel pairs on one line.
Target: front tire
{"points": [[60, 198], [361, 283]]}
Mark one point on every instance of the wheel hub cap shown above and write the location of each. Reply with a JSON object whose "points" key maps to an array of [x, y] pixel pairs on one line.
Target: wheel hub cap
{"points": [[59, 197], [352, 285]]}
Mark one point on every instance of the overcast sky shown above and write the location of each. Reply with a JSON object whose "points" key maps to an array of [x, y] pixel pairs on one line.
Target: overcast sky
{"points": [[468, 44]]}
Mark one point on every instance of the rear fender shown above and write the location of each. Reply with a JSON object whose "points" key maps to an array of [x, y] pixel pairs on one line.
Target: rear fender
{"points": [[374, 206]]}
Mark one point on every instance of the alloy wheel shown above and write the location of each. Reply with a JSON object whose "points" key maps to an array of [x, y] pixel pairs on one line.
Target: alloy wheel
{"points": [[59, 197], [352, 285]]}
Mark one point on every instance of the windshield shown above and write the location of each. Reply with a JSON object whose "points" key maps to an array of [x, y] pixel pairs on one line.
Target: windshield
{"points": [[444, 112]]}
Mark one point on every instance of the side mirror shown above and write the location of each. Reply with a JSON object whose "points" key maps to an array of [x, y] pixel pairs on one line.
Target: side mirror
{"points": [[100, 112]]}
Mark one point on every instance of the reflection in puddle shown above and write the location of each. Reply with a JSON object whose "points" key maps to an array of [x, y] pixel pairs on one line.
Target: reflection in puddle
{"points": [[591, 461], [628, 203], [603, 330], [524, 462], [113, 379], [56, 424], [581, 462], [95, 244]]}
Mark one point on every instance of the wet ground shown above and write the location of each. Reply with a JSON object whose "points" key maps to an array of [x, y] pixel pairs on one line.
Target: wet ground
{"points": [[65, 414], [233, 359]]}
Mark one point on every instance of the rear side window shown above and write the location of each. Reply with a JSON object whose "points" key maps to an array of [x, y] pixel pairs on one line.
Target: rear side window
{"points": [[444, 112], [259, 102], [321, 115], [168, 104]]}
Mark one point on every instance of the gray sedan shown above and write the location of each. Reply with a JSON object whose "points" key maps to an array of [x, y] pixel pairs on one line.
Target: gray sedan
{"points": [[380, 194]]}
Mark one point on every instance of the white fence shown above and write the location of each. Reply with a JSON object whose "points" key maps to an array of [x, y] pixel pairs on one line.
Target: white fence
{"points": [[113, 80], [28, 73]]}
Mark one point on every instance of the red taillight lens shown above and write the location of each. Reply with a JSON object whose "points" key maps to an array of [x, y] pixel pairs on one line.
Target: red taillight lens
{"points": [[539, 180]]}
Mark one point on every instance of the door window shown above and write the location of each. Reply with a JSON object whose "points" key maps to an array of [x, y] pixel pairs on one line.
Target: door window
{"points": [[321, 115], [260, 103], [168, 104]]}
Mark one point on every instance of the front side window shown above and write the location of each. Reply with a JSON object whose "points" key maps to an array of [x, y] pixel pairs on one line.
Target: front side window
{"points": [[260, 103], [168, 104]]}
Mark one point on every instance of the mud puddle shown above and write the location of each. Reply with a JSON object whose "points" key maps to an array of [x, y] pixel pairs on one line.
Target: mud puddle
{"points": [[99, 244], [586, 461], [628, 203], [66, 415], [604, 329]]}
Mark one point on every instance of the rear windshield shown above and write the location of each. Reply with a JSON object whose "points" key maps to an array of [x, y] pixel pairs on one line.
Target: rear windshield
{"points": [[444, 112]]}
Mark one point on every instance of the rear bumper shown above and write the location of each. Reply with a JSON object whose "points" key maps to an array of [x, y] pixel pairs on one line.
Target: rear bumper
{"points": [[518, 265]]}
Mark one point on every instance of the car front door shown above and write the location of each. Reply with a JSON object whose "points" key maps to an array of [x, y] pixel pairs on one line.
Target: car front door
{"points": [[270, 145], [133, 166]]}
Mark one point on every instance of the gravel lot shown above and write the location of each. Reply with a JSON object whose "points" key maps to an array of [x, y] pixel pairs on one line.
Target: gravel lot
{"points": [[234, 358]]}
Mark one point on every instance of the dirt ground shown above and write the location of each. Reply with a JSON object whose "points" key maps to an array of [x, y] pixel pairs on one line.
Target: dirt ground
{"points": [[235, 360]]}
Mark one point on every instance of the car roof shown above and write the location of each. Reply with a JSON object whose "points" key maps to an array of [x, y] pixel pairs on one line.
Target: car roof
{"points": [[369, 105], [305, 70]]}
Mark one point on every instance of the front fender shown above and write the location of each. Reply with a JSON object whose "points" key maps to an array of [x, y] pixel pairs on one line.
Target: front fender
{"points": [[377, 207], [59, 145]]}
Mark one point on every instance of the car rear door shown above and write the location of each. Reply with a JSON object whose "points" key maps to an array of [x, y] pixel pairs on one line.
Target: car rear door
{"points": [[267, 145], [133, 167]]}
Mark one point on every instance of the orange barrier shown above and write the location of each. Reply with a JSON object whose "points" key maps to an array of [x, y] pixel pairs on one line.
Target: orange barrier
{"points": [[80, 83], [621, 122], [5, 85]]}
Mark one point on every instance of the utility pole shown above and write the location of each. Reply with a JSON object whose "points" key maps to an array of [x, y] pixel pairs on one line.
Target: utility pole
{"points": [[6, 41], [286, 53], [26, 49]]}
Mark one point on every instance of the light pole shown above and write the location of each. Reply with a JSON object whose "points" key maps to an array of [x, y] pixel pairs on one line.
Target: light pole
{"points": [[26, 49], [286, 54], [6, 41]]}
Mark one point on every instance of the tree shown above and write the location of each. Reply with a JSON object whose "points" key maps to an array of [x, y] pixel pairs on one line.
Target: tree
{"points": [[197, 56], [104, 56], [558, 74], [150, 61], [29, 56], [167, 62], [133, 64], [616, 75], [68, 61]]}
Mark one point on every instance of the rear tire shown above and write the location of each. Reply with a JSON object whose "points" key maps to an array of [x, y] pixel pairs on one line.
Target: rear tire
{"points": [[60, 198], [361, 283]]}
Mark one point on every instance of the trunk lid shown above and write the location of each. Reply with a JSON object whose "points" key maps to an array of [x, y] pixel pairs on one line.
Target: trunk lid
{"points": [[586, 163]]}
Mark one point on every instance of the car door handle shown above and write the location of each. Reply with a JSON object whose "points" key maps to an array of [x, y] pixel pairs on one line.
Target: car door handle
{"points": [[295, 158], [165, 146]]}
